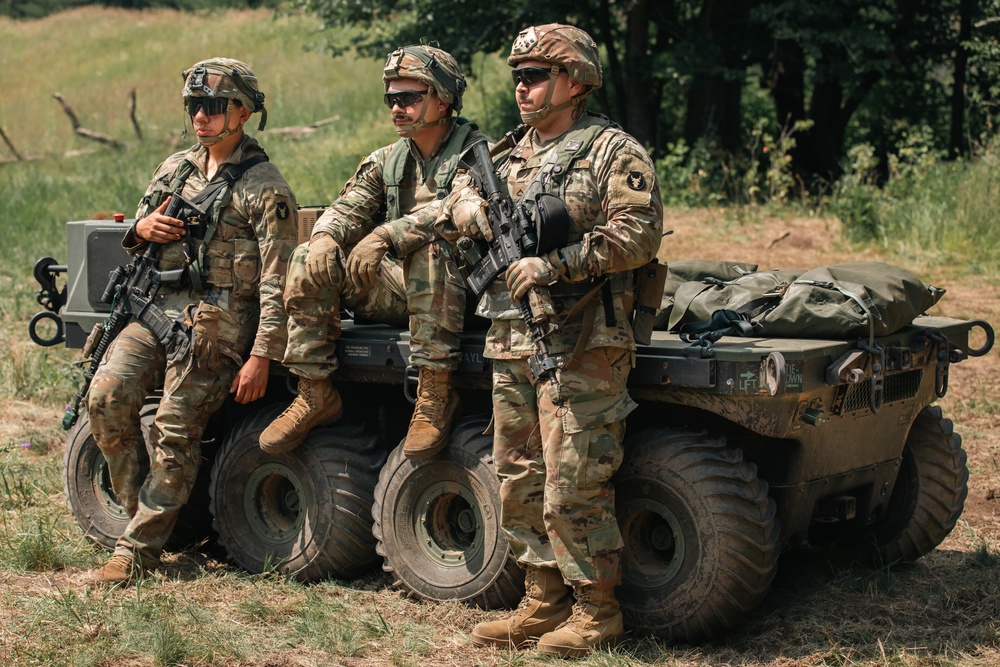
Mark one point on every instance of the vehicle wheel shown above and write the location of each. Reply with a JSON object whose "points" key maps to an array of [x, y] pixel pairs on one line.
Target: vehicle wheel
{"points": [[926, 501], [701, 537], [305, 514], [95, 507], [437, 523]]}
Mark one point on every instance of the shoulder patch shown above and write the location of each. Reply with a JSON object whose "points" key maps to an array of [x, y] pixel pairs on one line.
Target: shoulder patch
{"points": [[637, 181], [281, 209]]}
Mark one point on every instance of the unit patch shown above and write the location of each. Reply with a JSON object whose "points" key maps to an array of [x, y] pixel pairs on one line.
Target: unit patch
{"points": [[281, 209], [636, 181]]}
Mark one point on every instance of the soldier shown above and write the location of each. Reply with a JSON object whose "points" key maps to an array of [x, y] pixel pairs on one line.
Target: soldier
{"points": [[229, 305], [557, 442], [395, 266]]}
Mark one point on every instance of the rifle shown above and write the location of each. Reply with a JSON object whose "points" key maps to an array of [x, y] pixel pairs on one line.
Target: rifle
{"points": [[130, 291], [515, 236]]}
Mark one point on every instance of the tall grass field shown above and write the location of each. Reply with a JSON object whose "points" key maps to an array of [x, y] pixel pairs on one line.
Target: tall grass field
{"points": [[200, 610]]}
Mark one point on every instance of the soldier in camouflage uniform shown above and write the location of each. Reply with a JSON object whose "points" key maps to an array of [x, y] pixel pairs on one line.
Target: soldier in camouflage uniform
{"points": [[229, 305], [370, 253], [558, 442]]}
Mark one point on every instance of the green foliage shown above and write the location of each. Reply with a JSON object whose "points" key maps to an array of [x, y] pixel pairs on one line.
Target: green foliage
{"points": [[942, 211], [34, 9]]}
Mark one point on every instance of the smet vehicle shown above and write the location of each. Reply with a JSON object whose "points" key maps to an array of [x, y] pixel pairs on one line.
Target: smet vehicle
{"points": [[768, 445]]}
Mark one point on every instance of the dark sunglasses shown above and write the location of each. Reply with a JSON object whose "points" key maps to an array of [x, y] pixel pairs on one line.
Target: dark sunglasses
{"points": [[529, 76], [212, 106], [405, 98]]}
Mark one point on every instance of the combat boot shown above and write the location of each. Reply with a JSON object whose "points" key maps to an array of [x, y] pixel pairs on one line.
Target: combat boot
{"points": [[546, 605], [433, 414], [596, 621], [120, 569], [318, 404]]}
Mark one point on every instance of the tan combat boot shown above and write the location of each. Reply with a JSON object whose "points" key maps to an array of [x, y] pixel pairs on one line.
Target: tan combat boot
{"points": [[433, 414], [596, 621], [318, 404], [120, 569], [546, 605]]}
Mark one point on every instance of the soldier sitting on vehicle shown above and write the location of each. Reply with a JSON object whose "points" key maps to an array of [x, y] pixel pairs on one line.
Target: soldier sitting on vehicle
{"points": [[228, 305], [367, 255]]}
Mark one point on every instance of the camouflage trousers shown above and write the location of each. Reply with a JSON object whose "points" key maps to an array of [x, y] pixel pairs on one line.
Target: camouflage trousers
{"points": [[134, 366], [425, 291], [555, 453]]}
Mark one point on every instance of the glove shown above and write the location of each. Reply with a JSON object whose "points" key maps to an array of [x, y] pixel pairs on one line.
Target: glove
{"points": [[528, 272], [468, 213], [363, 262], [321, 248]]}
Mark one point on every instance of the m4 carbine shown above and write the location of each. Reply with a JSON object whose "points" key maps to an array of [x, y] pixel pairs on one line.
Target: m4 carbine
{"points": [[131, 290], [517, 233]]}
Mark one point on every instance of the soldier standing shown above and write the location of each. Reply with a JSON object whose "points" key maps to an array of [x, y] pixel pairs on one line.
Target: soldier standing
{"points": [[558, 441], [228, 305], [371, 252]]}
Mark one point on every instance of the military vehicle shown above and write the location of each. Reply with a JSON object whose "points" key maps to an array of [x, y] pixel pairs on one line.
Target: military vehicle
{"points": [[768, 445]]}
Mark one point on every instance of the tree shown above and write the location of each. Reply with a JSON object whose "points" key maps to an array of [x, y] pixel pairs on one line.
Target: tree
{"points": [[846, 70]]}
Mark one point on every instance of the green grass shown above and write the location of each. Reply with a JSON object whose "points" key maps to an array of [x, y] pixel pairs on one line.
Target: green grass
{"points": [[200, 611]]}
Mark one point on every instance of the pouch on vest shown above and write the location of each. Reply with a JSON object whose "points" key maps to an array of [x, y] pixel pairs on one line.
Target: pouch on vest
{"points": [[650, 279]]}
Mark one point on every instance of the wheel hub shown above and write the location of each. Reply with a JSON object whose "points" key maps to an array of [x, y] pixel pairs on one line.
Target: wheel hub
{"points": [[272, 503], [449, 527], [654, 543]]}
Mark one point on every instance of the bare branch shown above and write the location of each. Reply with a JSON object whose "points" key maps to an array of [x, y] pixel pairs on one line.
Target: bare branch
{"points": [[82, 131], [13, 150], [131, 114]]}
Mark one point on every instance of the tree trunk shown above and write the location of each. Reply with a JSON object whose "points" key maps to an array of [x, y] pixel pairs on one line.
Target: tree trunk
{"points": [[957, 146], [715, 97]]}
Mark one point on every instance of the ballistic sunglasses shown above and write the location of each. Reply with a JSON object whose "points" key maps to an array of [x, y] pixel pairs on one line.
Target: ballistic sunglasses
{"points": [[212, 106], [529, 76], [404, 98]]}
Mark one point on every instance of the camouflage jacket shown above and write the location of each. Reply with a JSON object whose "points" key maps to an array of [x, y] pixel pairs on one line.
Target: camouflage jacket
{"points": [[247, 257], [362, 203], [613, 197]]}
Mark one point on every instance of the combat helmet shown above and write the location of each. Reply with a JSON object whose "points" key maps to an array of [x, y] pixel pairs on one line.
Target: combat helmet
{"points": [[225, 78], [563, 45], [437, 68]]}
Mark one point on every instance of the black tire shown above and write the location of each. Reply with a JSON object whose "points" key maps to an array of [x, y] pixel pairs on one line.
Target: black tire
{"points": [[927, 499], [437, 523], [93, 503], [305, 514], [701, 537]]}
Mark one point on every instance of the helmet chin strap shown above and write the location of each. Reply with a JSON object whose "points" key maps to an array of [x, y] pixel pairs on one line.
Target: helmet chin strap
{"points": [[226, 131], [547, 108], [408, 131]]}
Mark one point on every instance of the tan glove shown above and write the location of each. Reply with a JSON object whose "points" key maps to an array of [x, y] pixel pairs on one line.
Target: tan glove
{"points": [[528, 272], [467, 211], [318, 257], [364, 260]]}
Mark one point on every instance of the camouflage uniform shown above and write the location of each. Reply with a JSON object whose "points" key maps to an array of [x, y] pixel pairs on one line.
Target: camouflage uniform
{"points": [[557, 442], [556, 446], [420, 283], [384, 217], [238, 312]]}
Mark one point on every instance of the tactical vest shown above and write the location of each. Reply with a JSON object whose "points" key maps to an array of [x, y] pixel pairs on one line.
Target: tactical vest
{"points": [[551, 178], [443, 166], [214, 261]]}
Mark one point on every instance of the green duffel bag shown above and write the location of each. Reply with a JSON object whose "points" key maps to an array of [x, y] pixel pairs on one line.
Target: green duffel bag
{"points": [[697, 301], [841, 301], [861, 300], [688, 270]]}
